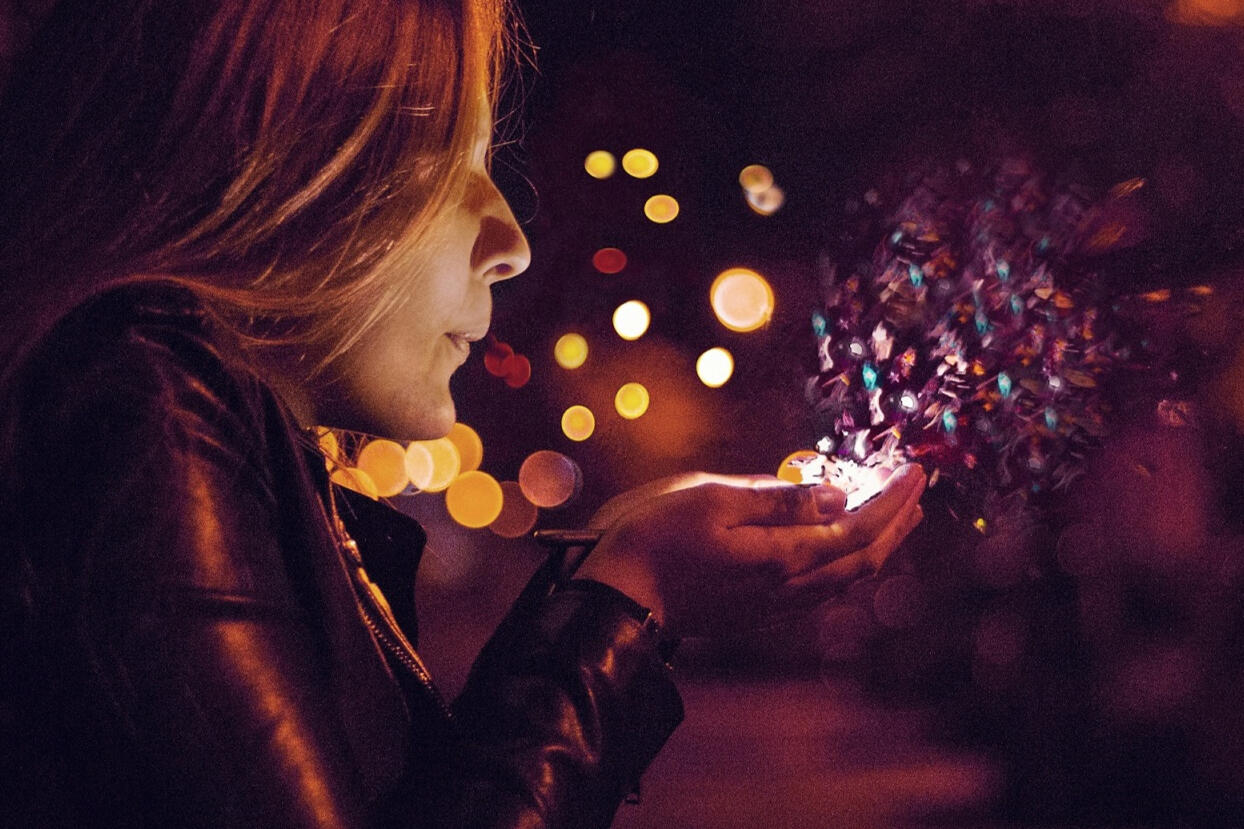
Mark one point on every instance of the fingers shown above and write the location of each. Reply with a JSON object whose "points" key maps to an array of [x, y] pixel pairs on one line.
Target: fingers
{"points": [[857, 564], [856, 543], [768, 502], [901, 493]]}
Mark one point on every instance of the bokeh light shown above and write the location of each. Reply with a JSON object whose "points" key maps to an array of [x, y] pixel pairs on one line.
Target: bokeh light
{"points": [[578, 423], [631, 319], [327, 440], [639, 163], [661, 208], [609, 260], [470, 447], [755, 178], [570, 351], [517, 516], [474, 499], [600, 164], [355, 479], [714, 367], [741, 299], [1206, 12], [631, 401], [789, 471], [384, 461], [549, 479], [432, 464], [767, 201], [496, 355], [516, 370]]}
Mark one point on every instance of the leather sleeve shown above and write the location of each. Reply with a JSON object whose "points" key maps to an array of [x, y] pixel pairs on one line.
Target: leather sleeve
{"points": [[565, 707], [178, 677]]}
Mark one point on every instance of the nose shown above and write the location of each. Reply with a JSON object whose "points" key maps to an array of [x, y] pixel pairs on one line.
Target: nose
{"points": [[501, 251]]}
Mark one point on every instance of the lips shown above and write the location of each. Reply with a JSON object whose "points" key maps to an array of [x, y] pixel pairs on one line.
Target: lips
{"points": [[462, 339]]}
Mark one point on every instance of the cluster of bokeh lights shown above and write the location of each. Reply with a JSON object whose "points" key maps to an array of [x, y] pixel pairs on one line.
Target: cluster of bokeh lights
{"points": [[475, 499]]}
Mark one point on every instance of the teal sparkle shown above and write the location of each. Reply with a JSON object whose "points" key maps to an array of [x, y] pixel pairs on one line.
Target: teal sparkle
{"points": [[949, 421], [1051, 418], [870, 376], [1017, 305], [1004, 270], [915, 274], [1004, 384], [819, 323]]}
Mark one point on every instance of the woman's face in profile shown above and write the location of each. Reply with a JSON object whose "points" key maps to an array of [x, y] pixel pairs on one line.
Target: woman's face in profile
{"points": [[395, 381]]}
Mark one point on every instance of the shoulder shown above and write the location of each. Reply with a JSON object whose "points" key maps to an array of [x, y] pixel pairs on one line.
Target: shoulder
{"points": [[132, 425], [139, 363]]}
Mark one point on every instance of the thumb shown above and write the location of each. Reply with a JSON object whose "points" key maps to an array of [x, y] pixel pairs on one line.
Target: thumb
{"points": [[783, 504]]}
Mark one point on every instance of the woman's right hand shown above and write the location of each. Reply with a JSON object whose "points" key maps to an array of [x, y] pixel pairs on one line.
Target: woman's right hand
{"points": [[720, 555]]}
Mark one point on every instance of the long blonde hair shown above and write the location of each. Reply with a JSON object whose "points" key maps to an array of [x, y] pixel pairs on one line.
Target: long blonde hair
{"points": [[271, 154]]}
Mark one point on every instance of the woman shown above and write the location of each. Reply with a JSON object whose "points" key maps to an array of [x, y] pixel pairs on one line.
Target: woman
{"points": [[233, 222]]}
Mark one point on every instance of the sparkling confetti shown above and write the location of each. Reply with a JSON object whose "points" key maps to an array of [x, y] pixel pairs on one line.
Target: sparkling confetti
{"points": [[956, 304]]}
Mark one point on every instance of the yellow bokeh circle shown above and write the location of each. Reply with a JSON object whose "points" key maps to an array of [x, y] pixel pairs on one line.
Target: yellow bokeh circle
{"points": [[742, 299], [327, 440], [470, 447], [790, 472], [767, 201], [432, 464], [474, 499], [578, 423], [631, 401], [570, 351], [631, 319], [714, 367], [755, 178], [600, 164], [661, 208], [355, 479], [384, 461], [639, 163]]}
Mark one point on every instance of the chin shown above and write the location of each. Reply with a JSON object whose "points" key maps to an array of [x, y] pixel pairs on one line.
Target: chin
{"points": [[426, 422]]}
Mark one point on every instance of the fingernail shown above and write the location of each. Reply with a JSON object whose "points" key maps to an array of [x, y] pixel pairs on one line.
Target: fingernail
{"points": [[827, 500]]}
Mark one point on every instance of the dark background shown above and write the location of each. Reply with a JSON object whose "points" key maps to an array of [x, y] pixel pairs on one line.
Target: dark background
{"points": [[849, 722]]}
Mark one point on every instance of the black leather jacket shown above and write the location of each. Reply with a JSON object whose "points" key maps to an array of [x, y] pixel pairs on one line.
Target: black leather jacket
{"points": [[188, 640]]}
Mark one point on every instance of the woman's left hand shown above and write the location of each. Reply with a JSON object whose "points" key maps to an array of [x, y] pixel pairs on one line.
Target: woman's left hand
{"points": [[711, 552]]}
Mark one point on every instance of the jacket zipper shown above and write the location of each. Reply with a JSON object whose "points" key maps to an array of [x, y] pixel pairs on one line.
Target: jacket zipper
{"points": [[396, 644], [372, 603]]}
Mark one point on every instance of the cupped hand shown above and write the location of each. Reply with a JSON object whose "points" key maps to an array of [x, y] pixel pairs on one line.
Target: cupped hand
{"points": [[713, 553]]}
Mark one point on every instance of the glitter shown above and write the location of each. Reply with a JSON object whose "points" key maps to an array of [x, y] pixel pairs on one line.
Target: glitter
{"points": [[869, 373], [825, 445], [819, 323], [980, 525], [967, 310]]}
